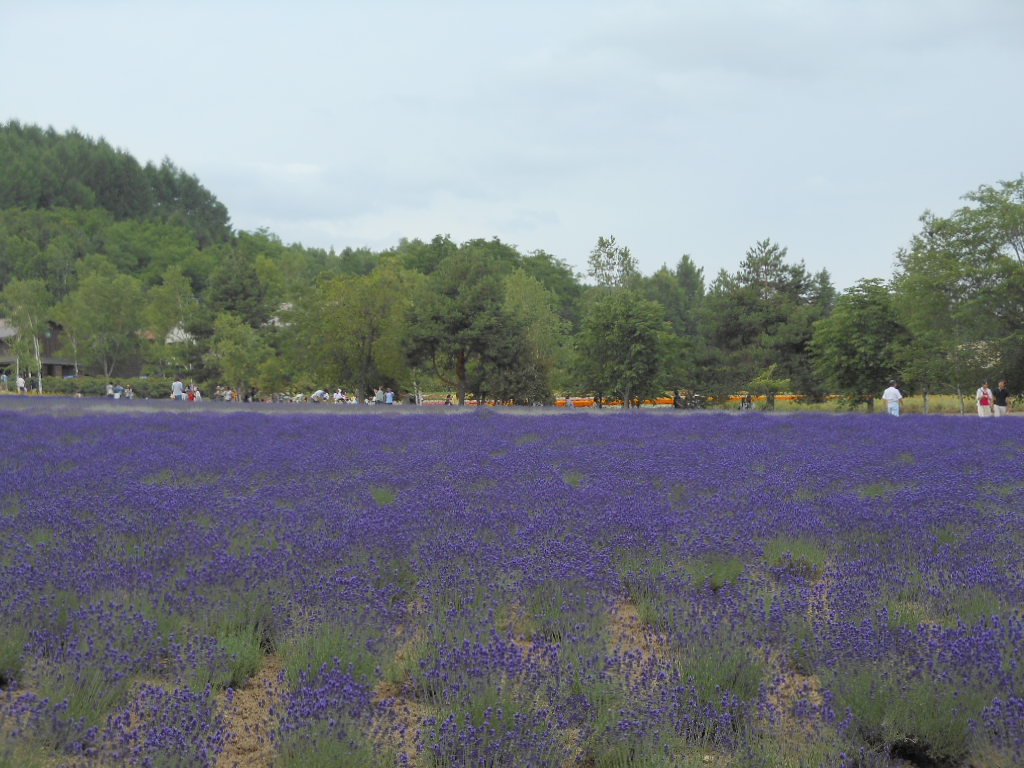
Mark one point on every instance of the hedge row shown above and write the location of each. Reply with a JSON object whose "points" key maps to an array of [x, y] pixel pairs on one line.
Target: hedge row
{"points": [[151, 387]]}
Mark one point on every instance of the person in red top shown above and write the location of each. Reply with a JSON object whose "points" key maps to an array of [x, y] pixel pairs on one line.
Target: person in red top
{"points": [[984, 398]]}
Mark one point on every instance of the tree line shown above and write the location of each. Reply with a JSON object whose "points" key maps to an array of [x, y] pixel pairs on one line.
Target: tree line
{"points": [[138, 269]]}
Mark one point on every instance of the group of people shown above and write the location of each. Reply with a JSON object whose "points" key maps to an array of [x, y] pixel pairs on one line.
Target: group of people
{"points": [[182, 391], [191, 392], [118, 392], [20, 386], [381, 396], [323, 396], [990, 402]]}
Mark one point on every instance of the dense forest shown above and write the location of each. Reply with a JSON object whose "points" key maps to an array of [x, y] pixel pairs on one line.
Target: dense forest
{"points": [[136, 269]]}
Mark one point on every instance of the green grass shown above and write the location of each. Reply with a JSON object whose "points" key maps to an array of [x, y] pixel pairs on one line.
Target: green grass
{"points": [[554, 610], [716, 570], [912, 605], [341, 743], [245, 628], [574, 479], [720, 665], [12, 644], [383, 494], [20, 754], [919, 715], [91, 696], [801, 554], [875, 490], [243, 645], [949, 535], [354, 643]]}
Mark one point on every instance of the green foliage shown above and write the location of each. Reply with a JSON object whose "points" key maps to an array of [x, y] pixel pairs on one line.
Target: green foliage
{"points": [[235, 286], [102, 316], [574, 479], [246, 628], [960, 285], [15, 753], [611, 265], [856, 350], [760, 315], [541, 349], [28, 305], [152, 387], [46, 169], [383, 494], [90, 691], [351, 329], [460, 320], [642, 573], [337, 743], [12, 643], [920, 713], [236, 352], [716, 570], [480, 317], [768, 384], [307, 651], [804, 555], [717, 662], [244, 645], [621, 347], [557, 610]]}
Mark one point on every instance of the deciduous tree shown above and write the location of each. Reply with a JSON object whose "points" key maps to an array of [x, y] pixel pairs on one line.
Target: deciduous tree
{"points": [[621, 347], [28, 305], [236, 352], [857, 349], [611, 265], [104, 315]]}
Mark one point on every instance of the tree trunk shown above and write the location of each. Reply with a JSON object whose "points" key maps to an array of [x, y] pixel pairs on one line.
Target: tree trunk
{"points": [[926, 402], [626, 398], [460, 378], [871, 405], [39, 364]]}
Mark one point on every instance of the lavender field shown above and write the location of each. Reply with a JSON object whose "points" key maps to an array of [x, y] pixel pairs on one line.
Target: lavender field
{"points": [[203, 587]]}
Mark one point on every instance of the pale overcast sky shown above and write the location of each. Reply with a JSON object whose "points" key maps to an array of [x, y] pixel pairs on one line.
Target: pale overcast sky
{"points": [[677, 126]]}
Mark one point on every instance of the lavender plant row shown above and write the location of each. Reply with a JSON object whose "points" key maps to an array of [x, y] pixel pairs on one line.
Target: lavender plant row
{"points": [[493, 589]]}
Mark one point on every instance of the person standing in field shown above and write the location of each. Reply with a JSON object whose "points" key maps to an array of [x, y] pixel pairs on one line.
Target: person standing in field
{"points": [[177, 390], [984, 398], [892, 397], [3, 381], [19, 384], [1000, 400]]}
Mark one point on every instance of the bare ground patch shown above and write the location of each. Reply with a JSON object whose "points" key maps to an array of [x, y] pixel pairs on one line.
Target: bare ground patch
{"points": [[250, 718]]}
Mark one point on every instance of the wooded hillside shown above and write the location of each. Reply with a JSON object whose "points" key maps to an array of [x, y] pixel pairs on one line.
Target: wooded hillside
{"points": [[138, 269]]}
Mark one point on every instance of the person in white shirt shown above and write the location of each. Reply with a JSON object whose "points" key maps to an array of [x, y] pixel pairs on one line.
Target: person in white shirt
{"points": [[892, 397], [177, 390], [984, 399]]}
